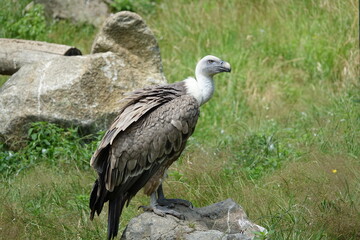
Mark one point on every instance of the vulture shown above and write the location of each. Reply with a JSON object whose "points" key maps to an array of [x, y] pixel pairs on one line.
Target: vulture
{"points": [[146, 137]]}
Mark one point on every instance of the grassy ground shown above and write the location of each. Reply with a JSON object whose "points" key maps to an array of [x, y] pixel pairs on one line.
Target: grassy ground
{"points": [[281, 135]]}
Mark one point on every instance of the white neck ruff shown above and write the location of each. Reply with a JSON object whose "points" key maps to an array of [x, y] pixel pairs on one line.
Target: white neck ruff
{"points": [[201, 88]]}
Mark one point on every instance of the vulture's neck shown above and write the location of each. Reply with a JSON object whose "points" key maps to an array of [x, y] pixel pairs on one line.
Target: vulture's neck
{"points": [[201, 88]]}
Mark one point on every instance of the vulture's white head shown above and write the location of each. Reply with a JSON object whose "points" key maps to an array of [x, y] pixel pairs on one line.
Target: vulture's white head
{"points": [[210, 65], [202, 87]]}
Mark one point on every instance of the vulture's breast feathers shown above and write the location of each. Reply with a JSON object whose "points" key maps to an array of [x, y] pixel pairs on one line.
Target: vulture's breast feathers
{"points": [[151, 128]]}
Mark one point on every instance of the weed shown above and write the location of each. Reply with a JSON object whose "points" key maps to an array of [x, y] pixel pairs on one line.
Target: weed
{"points": [[260, 154], [31, 24], [192, 225], [3, 79], [50, 144], [261, 235]]}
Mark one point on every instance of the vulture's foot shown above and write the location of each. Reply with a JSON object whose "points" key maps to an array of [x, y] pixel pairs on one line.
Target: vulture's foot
{"points": [[162, 211], [170, 202]]}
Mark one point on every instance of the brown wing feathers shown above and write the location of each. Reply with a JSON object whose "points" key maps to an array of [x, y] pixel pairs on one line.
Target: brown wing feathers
{"points": [[140, 147], [137, 105]]}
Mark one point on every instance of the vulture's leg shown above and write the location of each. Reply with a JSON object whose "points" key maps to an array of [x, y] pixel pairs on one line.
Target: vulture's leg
{"points": [[170, 202], [160, 210]]}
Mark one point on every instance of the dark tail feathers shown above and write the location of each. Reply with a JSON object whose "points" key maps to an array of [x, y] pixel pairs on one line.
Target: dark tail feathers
{"points": [[98, 197], [115, 208]]}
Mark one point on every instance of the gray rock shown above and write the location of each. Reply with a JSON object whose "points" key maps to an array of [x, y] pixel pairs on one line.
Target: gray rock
{"points": [[91, 11], [127, 34], [223, 220], [82, 91]]}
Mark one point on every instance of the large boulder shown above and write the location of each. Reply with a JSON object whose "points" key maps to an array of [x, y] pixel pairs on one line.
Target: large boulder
{"points": [[223, 220], [82, 91]]}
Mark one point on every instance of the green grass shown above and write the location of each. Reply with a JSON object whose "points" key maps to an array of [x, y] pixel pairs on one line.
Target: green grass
{"points": [[281, 135]]}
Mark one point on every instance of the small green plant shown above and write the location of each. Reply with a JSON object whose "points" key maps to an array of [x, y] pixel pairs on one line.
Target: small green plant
{"points": [[192, 225], [177, 176], [31, 24], [259, 154], [261, 235], [52, 145], [3, 79], [8, 159]]}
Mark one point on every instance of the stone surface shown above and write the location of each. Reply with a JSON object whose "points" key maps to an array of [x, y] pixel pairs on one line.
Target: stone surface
{"points": [[82, 91], [223, 220], [91, 11], [128, 35], [15, 53]]}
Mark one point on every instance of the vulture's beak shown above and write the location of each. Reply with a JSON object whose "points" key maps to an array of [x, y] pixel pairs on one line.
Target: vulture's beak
{"points": [[225, 66]]}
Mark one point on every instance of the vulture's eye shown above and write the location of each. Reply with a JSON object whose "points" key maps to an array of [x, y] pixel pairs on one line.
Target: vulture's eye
{"points": [[210, 61]]}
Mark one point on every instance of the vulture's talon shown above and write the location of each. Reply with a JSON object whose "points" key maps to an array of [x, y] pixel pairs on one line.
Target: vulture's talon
{"points": [[162, 211], [170, 203], [146, 208]]}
